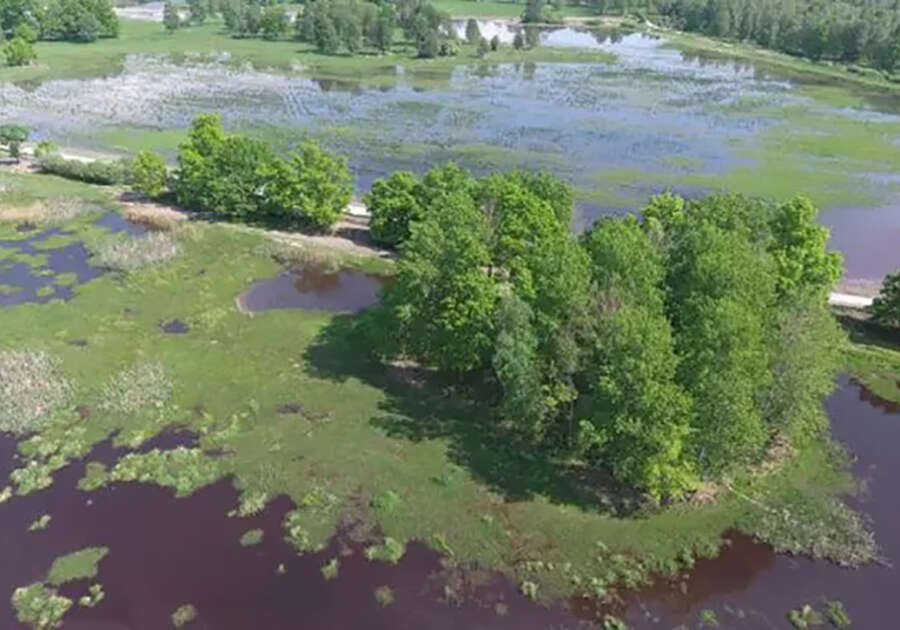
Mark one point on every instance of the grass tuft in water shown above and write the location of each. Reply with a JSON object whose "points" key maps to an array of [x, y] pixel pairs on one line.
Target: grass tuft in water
{"points": [[384, 595], [391, 550], [805, 617], [40, 607], [330, 569], [185, 470], [40, 524], [837, 615], [94, 596], [184, 615], [252, 538]]}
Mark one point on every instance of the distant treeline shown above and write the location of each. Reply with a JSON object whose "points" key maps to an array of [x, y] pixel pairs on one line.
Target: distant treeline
{"points": [[71, 20]]}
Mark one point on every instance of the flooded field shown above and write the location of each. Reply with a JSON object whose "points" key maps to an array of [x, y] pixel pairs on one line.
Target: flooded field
{"points": [[166, 552], [652, 120]]}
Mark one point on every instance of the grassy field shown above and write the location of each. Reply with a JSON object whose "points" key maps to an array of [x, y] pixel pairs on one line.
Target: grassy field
{"points": [[414, 456], [58, 60]]}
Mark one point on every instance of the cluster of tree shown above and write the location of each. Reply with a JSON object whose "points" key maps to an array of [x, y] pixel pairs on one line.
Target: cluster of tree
{"points": [[849, 31], [71, 20], [239, 177], [473, 36], [19, 51], [11, 137], [665, 349], [334, 25]]}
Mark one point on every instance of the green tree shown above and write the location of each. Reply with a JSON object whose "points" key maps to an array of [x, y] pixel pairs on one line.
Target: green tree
{"points": [[532, 37], [149, 174], [638, 417], [312, 189], [393, 203], [441, 304], [325, 35], [383, 34], [517, 365], [274, 22], [495, 43], [886, 307], [198, 11], [25, 31], [518, 41], [534, 11], [171, 19], [799, 247], [19, 52], [722, 293], [473, 33]]}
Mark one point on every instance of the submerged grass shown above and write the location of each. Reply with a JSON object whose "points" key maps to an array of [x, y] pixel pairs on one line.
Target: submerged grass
{"points": [[32, 387], [128, 253], [412, 462]]}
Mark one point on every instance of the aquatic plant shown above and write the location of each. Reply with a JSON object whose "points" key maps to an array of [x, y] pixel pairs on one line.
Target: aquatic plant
{"points": [[384, 595], [252, 537], [40, 607], [129, 253], [142, 386], [330, 569], [42, 523], [185, 470], [611, 622], [386, 502], [31, 389], [805, 617], [81, 564], [95, 596], [94, 477], [184, 615], [529, 589], [6, 494], [35, 475], [708, 618], [837, 615], [390, 550]]}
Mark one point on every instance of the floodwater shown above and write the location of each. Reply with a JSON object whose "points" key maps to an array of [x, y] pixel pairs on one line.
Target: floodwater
{"points": [[166, 552], [313, 288], [41, 282], [655, 112]]}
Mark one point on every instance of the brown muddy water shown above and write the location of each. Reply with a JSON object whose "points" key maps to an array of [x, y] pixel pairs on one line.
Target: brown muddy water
{"points": [[313, 288], [166, 552]]}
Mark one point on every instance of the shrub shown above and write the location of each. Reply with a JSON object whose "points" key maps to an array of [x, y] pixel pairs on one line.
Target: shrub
{"points": [[107, 173], [45, 148], [25, 31], [31, 388], [886, 307], [18, 52], [129, 253], [149, 174]]}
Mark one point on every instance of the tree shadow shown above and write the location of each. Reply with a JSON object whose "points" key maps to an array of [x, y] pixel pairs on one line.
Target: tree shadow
{"points": [[421, 405]]}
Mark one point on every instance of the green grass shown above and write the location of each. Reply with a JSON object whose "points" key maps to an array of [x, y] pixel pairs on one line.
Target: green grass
{"points": [[877, 367], [58, 60], [413, 463], [79, 565]]}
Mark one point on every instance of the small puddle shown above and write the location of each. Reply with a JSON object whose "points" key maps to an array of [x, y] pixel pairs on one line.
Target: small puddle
{"points": [[174, 327], [62, 268], [315, 289]]}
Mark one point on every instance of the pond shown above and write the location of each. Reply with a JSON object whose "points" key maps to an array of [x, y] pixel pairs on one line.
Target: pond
{"points": [[313, 288], [166, 552], [654, 119]]}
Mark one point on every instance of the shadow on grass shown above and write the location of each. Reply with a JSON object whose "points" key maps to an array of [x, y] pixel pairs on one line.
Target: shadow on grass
{"points": [[418, 409]]}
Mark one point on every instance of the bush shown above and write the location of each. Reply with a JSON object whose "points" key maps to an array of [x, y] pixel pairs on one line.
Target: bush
{"points": [[18, 52], [241, 178], [886, 307], [107, 173], [149, 174], [31, 389], [45, 148]]}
